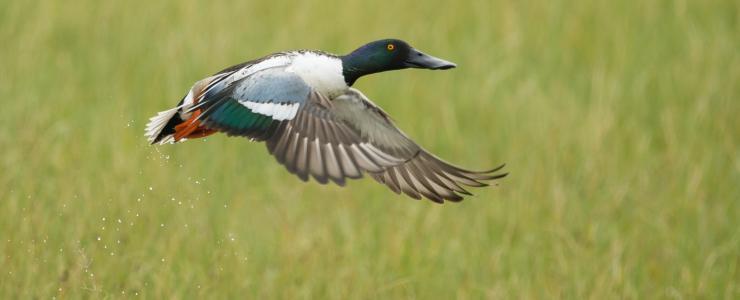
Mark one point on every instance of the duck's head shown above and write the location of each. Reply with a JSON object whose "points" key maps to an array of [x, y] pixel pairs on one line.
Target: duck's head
{"points": [[387, 55]]}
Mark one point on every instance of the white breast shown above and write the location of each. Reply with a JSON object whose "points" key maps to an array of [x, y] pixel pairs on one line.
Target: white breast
{"points": [[321, 72]]}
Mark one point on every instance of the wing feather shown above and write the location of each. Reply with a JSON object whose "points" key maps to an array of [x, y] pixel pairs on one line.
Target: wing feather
{"points": [[349, 165], [346, 136]]}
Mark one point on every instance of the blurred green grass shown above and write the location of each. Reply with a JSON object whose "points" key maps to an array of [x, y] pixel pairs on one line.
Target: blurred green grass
{"points": [[618, 121]]}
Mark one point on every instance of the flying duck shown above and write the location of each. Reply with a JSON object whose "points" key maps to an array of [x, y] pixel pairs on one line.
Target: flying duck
{"points": [[302, 105]]}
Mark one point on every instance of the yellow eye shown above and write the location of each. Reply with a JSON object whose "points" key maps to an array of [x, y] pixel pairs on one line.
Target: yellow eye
{"points": [[390, 47]]}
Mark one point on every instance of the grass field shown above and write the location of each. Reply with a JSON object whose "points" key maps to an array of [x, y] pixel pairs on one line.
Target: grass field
{"points": [[618, 120]]}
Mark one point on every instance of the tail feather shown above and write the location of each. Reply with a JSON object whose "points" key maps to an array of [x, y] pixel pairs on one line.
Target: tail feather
{"points": [[161, 128]]}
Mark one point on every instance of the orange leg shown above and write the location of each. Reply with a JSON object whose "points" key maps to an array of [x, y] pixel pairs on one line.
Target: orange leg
{"points": [[191, 128]]}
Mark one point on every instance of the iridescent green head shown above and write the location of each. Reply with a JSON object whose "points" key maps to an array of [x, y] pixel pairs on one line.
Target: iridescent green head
{"points": [[387, 55]]}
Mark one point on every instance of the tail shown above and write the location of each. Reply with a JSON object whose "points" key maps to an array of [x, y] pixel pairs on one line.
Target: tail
{"points": [[161, 128], [168, 127], [180, 123]]}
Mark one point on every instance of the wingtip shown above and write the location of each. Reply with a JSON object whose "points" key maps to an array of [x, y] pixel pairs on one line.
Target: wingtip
{"points": [[498, 168]]}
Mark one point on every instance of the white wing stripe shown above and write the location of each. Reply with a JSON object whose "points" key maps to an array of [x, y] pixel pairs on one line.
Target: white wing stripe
{"points": [[278, 111]]}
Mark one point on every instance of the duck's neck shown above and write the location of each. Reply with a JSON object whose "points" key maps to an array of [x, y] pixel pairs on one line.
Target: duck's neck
{"points": [[358, 64], [351, 70]]}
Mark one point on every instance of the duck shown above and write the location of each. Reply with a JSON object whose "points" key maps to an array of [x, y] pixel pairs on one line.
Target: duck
{"points": [[302, 105]]}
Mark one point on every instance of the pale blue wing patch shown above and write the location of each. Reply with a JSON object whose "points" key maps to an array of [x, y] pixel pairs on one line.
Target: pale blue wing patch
{"points": [[273, 92], [273, 85]]}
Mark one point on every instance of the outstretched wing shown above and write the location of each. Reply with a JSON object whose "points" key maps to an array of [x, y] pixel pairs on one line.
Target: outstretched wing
{"points": [[344, 137]]}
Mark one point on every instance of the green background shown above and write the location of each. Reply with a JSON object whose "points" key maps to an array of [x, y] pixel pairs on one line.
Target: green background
{"points": [[618, 121]]}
